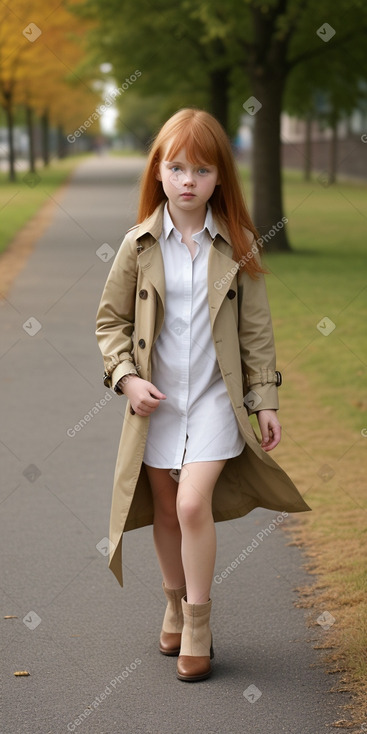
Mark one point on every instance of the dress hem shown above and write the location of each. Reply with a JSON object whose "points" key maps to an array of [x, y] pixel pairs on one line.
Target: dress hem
{"points": [[197, 461]]}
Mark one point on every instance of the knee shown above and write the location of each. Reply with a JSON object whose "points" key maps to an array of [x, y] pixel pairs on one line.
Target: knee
{"points": [[167, 517], [192, 510]]}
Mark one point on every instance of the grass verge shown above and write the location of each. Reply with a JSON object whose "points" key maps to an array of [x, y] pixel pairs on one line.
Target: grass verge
{"points": [[20, 200], [323, 412]]}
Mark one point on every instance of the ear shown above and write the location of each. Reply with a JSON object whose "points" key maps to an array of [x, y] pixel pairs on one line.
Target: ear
{"points": [[157, 172]]}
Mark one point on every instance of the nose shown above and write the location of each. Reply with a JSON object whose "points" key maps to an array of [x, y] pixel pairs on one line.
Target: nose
{"points": [[188, 179]]}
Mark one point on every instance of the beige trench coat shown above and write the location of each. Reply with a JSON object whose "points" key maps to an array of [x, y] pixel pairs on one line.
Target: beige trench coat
{"points": [[129, 320]]}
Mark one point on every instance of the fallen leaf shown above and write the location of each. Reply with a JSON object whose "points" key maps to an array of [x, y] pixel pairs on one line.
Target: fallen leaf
{"points": [[21, 672]]}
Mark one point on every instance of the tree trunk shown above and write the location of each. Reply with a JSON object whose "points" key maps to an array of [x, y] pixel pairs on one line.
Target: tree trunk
{"points": [[308, 147], [10, 126], [266, 162], [60, 142], [45, 132], [333, 162], [31, 155], [219, 101]]}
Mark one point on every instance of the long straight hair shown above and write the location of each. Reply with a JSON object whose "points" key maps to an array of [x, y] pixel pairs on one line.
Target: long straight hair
{"points": [[206, 142]]}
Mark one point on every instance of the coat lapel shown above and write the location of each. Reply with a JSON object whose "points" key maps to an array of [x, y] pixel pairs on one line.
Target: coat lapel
{"points": [[220, 265], [150, 262]]}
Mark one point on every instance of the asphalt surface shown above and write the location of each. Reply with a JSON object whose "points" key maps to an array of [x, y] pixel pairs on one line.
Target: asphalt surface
{"points": [[91, 648]]}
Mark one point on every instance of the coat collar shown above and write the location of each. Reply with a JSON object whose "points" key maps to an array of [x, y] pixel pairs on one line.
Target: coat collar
{"points": [[222, 269], [209, 224], [153, 225]]}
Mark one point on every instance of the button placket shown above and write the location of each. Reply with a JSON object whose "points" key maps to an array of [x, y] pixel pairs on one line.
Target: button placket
{"points": [[186, 336]]}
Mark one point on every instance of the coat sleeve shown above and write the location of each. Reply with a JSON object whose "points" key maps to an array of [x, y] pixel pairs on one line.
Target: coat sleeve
{"points": [[116, 316], [257, 347]]}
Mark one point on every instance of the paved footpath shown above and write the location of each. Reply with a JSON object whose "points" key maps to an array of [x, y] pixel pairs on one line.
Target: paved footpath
{"points": [[91, 647]]}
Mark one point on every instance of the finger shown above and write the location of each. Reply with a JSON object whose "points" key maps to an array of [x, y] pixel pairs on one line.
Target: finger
{"points": [[157, 393], [265, 435], [274, 437], [147, 406], [143, 412], [276, 431], [271, 445], [149, 402]]}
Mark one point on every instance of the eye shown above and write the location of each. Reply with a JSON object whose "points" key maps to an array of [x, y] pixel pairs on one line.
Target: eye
{"points": [[203, 170], [175, 168]]}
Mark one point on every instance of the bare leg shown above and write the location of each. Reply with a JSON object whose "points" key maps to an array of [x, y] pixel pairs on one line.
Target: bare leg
{"points": [[194, 512], [166, 528]]}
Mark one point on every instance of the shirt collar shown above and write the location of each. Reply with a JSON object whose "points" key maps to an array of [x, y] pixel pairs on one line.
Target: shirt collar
{"points": [[209, 223], [153, 226]]}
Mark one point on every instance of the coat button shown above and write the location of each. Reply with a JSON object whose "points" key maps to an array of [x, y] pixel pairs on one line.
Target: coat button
{"points": [[143, 294], [231, 294], [141, 343]]}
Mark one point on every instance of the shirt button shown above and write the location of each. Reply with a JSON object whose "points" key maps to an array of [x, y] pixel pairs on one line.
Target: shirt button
{"points": [[143, 294], [141, 343]]}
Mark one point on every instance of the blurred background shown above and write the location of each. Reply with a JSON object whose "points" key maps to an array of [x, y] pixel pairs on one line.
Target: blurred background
{"points": [[286, 79]]}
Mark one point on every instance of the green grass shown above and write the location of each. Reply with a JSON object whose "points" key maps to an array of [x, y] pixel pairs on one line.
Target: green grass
{"points": [[324, 275], [19, 201], [126, 152]]}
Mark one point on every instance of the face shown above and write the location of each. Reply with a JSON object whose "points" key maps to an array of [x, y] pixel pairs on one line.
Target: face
{"points": [[188, 186]]}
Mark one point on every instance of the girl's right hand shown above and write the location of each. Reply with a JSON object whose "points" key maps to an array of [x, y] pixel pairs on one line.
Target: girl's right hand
{"points": [[144, 397]]}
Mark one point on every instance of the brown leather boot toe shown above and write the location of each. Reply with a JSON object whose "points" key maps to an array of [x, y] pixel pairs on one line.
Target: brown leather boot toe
{"points": [[193, 667]]}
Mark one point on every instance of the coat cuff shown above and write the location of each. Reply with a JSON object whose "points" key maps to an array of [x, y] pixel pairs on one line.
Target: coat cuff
{"points": [[261, 397], [111, 379]]}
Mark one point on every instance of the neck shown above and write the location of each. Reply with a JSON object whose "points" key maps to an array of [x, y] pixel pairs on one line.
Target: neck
{"points": [[188, 222]]}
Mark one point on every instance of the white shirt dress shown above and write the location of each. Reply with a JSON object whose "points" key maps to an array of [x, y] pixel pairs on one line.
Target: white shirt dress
{"points": [[196, 422]]}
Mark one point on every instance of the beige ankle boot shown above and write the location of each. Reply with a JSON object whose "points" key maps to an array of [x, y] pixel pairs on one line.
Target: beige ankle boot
{"points": [[170, 638], [196, 643]]}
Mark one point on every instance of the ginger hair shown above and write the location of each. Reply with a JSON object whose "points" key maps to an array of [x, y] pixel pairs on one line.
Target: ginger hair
{"points": [[205, 142]]}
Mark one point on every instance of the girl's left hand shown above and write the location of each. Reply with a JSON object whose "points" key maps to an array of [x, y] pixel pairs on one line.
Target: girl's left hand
{"points": [[270, 429]]}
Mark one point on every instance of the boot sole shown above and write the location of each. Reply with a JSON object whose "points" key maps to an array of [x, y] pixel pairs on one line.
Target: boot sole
{"points": [[193, 678], [170, 653]]}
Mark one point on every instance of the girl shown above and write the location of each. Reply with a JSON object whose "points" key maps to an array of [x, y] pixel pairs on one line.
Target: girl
{"points": [[185, 331]]}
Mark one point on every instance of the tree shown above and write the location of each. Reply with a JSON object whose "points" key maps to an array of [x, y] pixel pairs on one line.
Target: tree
{"points": [[193, 47], [286, 35], [37, 67], [316, 95]]}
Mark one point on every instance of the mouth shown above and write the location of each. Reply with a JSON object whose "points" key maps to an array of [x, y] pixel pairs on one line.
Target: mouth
{"points": [[187, 195]]}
